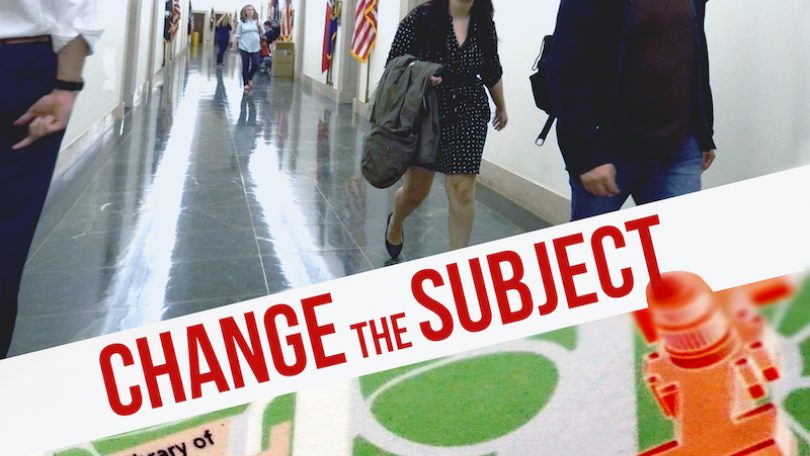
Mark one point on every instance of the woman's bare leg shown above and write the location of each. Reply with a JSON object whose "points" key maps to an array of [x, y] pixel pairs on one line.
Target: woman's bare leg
{"points": [[461, 198], [415, 189]]}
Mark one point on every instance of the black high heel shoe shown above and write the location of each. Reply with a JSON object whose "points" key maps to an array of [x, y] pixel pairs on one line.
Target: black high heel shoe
{"points": [[393, 250]]}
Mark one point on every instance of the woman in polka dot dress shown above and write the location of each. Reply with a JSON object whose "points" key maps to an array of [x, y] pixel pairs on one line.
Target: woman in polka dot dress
{"points": [[459, 34]]}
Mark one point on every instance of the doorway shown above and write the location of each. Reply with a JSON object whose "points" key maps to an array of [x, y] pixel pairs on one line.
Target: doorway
{"points": [[198, 28]]}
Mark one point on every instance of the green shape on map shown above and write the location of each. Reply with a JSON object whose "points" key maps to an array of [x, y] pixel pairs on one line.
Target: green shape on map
{"points": [[798, 405], [797, 316], [130, 440], [74, 452], [469, 401], [804, 447], [804, 349], [363, 447], [566, 337], [281, 410], [654, 428]]}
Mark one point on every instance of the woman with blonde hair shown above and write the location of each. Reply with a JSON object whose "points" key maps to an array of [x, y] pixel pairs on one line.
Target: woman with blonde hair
{"points": [[223, 36], [248, 38]]}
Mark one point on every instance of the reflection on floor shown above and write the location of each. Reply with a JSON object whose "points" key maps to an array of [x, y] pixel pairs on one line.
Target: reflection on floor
{"points": [[204, 196]]}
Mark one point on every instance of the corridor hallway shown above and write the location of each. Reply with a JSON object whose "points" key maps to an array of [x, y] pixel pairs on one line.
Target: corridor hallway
{"points": [[204, 196]]}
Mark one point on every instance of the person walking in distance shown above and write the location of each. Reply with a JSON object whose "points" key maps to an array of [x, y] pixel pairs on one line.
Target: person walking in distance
{"points": [[630, 86], [248, 34], [223, 36], [460, 35], [43, 46]]}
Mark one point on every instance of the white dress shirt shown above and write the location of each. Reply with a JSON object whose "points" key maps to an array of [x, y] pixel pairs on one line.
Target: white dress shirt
{"points": [[63, 20]]}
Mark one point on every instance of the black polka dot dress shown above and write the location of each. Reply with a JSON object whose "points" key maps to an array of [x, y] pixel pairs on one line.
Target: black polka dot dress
{"points": [[464, 110]]}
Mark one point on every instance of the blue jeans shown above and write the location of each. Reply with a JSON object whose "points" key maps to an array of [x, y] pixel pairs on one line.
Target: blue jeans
{"points": [[250, 65], [672, 174]]}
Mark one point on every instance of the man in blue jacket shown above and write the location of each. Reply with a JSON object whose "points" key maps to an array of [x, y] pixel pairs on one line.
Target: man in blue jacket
{"points": [[629, 82]]}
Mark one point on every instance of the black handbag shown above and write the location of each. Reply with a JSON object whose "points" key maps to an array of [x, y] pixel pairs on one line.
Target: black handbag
{"points": [[540, 87]]}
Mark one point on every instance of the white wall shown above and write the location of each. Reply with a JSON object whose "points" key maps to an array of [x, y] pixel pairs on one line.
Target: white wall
{"points": [[142, 72], [157, 58], [313, 28], [102, 73], [520, 29], [104, 70], [760, 56]]}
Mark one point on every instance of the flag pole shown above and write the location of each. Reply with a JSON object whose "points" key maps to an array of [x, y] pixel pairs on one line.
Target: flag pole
{"points": [[368, 76]]}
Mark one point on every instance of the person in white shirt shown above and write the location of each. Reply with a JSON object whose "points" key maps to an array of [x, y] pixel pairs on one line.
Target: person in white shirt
{"points": [[43, 46], [248, 37]]}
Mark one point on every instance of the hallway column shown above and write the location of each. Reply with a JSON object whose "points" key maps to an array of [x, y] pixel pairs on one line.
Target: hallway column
{"points": [[346, 77], [300, 37]]}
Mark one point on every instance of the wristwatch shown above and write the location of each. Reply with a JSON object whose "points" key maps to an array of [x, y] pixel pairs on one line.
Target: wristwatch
{"points": [[70, 86]]}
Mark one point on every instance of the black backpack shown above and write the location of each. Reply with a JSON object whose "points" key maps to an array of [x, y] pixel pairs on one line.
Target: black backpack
{"points": [[540, 87]]}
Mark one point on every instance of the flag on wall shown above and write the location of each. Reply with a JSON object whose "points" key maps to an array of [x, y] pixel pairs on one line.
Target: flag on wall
{"points": [[286, 24], [330, 34], [275, 11], [176, 13], [365, 30], [167, 21]]}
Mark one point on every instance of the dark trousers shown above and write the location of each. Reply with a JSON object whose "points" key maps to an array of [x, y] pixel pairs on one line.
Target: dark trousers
{"points": [[222, 48], [28, 72], [250, 65]]}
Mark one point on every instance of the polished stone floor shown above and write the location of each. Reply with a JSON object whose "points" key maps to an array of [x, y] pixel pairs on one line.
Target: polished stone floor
{"points": [[204, 196]]}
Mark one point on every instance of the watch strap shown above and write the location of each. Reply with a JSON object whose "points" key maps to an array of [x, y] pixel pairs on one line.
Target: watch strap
{"points": [[71, 86]]}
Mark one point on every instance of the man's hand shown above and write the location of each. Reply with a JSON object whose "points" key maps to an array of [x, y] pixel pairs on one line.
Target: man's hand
{"points": [[601, 181], [708, 159], [47, 116], [500, 120], [435, 80]]}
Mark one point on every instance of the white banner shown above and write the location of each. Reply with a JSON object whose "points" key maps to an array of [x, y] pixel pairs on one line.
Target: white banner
{"points": [[484, 295]]}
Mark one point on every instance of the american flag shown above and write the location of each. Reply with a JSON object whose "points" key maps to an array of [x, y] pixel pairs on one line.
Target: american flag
{"points": [[287, 24], [329, 35], [273, 9], [365, 30], [176, 13]]}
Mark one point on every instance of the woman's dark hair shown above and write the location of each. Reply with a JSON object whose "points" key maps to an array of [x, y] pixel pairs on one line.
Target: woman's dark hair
{"points": [[436, 13]]}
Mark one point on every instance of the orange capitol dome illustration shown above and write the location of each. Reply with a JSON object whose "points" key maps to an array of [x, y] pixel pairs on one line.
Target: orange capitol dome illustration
{"points": [[713, 360]]}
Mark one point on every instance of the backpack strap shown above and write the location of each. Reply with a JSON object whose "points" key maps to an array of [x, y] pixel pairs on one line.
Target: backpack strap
{"points": [[546, 130]]}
